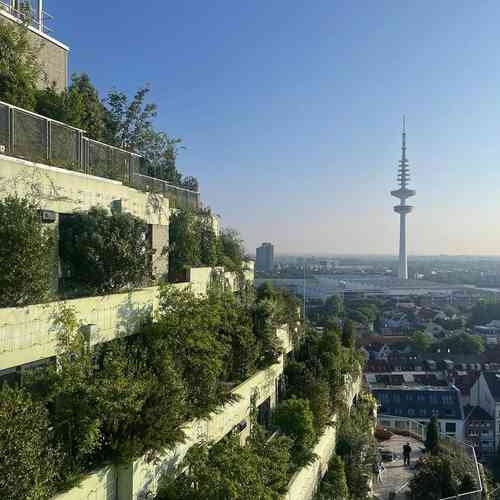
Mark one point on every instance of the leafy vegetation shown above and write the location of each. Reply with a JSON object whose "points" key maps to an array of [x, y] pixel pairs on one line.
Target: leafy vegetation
{"points": [[317, 373], [228, 470], [445, 473], [130, 396], [334, 483], [116, 120], [356, 446], [27, 253], [27, 462], [103, 252], [19, 67], [193, 242], [295, 419]]}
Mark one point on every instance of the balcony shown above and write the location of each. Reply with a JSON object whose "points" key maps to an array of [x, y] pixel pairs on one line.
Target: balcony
{"points": [[35, 138], [26, 12]]}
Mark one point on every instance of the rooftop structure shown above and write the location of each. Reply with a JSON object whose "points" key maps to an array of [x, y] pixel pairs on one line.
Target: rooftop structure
{"points": [[403, 209]]}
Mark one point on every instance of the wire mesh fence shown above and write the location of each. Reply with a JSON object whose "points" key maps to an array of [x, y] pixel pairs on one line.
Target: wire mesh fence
{"points": [[33, 137]]}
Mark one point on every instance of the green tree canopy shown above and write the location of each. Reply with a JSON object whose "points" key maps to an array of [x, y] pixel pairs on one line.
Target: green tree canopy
{"points": [[229, 471], [105, 252], [295, 419], [19, 67], [27, 462], [432, 436], [27, 253]]}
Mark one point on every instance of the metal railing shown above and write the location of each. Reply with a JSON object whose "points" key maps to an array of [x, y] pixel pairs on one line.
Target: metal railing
{"points": [[26, 12], [410, 427], [33, 137]]}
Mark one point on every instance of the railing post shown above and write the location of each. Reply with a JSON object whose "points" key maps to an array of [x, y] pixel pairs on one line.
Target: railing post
{"points": [[48, 138], [11, 130]]}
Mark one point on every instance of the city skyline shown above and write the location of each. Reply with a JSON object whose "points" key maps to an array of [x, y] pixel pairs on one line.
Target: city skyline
{"points": [[305, 118]]}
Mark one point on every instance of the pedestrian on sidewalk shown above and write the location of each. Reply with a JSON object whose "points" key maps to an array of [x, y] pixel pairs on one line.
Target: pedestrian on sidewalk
{"points": [[406, 454]]}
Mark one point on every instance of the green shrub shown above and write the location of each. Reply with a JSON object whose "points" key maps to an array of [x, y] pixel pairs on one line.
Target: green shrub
{"points": [[105, 253], [230, 471], [27, 462], [295, 419], [19, 67], [26, 253]]}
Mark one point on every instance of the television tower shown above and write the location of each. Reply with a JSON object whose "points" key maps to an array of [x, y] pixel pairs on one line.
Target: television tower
{"points": [[402, 209]]}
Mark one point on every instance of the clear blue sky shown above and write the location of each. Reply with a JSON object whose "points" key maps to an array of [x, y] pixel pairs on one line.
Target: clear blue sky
{"points": [[291, 111]]}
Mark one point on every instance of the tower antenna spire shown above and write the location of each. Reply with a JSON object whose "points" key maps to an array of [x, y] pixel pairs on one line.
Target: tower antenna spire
{"points": [[403, 193]]}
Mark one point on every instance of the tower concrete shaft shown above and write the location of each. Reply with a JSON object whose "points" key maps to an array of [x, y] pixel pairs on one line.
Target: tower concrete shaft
{"points": [[403, 193]]}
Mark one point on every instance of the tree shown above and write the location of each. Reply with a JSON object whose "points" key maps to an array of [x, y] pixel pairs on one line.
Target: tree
{"points": [[434, 479], [432, 436], [84, 109], [131, 124], [230, 471], [462, 343], [27, 253], [334, 482], [27, 461], [232, 251], [184, 249], [141, 397], [296, 420], [333, 307], [190, 326], [19, 67], [68, 392], [421, 342], [347, 334], [105, 252]]}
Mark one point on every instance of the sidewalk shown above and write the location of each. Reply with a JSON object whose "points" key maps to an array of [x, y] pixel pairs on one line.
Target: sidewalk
{"points": [[396, 476]]}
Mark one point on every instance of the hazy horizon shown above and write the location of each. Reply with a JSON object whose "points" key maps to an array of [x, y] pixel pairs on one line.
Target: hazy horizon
{"points": [[291, 112]]}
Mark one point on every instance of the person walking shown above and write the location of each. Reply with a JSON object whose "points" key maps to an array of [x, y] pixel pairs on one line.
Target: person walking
{"points": [[406, 454]]}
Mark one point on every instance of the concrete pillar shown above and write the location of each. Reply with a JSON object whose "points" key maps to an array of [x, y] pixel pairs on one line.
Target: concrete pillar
{"points": [[159, 243]]}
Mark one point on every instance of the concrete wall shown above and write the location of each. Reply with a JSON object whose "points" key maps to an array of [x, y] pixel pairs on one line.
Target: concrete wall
{"points": [[52, 55], [140, 478], [98, 486], [27, 333], [65, 191]]}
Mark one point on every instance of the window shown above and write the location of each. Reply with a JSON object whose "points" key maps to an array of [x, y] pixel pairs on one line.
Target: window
{"points": [[423, 413], [450, 427], [411, 412]]}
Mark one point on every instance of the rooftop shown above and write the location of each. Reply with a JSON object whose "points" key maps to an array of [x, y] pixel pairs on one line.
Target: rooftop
{"points": [[493, 381], [420, 402], [476, 413]]}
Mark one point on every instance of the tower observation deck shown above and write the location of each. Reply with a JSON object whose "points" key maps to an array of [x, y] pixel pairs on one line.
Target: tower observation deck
{"points": [[403, 193]]}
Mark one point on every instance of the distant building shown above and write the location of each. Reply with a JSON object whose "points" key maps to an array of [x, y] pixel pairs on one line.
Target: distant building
{"points": [[486, 394], [421, 402], [265, 257], [480, 430], [490, 332]]}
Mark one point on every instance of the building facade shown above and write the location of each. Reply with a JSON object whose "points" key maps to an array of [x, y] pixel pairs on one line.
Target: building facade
{"points": [[265, 257]]}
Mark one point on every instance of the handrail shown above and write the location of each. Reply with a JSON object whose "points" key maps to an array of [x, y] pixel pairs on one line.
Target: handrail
{"points": [[30, 136], [36, 22]]}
